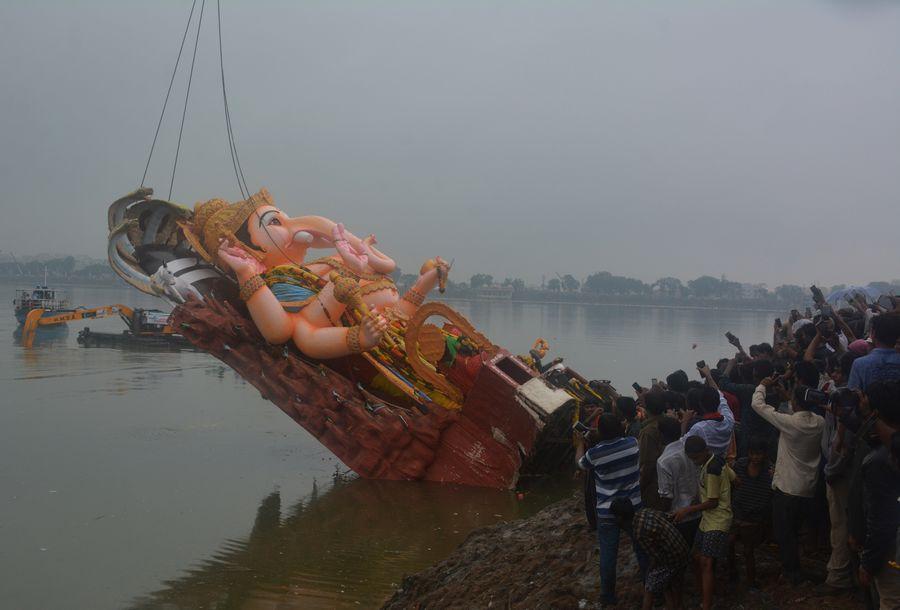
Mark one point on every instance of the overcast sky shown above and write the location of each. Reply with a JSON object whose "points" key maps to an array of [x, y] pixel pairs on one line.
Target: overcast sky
{"points": [[756, 139]]}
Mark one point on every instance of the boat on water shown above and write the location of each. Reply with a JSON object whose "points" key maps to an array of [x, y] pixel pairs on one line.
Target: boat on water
{"points": [[50, 300], [147, 328], [43, 309]]}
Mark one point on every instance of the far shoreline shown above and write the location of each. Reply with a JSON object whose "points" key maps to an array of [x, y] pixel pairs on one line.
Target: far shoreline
{"points": [[646, 305], [30, 282]]}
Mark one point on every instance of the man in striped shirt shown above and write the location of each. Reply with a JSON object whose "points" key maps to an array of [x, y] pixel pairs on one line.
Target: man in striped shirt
{"points": [[613, 463]]}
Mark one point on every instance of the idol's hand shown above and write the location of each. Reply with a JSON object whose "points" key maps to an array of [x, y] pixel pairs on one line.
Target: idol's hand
{"points": [[239, 260], [372, 329], [435, 271], [368, 242], [350, 256]]}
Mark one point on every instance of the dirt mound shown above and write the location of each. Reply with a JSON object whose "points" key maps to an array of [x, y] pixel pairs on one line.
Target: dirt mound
{"points": [[550, 561]]}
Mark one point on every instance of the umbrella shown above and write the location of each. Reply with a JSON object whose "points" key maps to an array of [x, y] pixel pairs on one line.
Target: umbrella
{"points": [[845, 294]]}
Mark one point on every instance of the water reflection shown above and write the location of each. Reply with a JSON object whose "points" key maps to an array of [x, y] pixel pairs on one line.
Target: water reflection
{"points": [[35, 358], [345, 548], [44, 336]]}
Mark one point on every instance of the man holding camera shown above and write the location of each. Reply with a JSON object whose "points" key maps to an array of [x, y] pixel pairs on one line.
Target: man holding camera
{"points": [[796, 468], [752, 425], [709, 415]]}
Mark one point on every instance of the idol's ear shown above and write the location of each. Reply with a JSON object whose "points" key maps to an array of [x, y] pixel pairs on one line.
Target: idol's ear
{"points": [[258, 255]]}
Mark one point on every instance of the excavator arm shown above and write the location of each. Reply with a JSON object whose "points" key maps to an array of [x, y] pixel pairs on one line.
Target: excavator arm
{"points": [[36, 318]]}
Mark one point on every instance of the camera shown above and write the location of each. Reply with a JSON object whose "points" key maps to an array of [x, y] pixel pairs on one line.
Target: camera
{"points": [[701, 364], [817, 295], [637, 387], [814, 395], [581, 428]]}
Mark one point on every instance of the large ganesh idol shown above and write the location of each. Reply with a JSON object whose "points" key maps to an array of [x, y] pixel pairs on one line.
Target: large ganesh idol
{"points": [[291, 301], [331, 341]]}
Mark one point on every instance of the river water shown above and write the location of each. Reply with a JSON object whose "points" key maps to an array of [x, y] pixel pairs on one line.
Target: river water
{"points": [[146, 479]]}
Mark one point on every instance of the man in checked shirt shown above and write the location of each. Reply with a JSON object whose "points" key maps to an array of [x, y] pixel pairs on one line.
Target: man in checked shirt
{"points": [[654, 532]]}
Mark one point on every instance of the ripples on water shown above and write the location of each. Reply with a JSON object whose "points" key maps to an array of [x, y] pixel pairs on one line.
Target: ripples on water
{"points": [[146, 478]]}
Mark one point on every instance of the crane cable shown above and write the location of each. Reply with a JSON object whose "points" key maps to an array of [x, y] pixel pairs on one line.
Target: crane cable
{"points": [[232, 146], [235, 159], [187, 97], [168, 92]]}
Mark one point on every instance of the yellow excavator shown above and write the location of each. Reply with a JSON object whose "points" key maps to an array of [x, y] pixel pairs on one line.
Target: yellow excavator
{"points": [[41, 317]]}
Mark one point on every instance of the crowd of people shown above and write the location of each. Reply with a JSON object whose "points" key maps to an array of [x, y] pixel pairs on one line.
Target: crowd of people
{"points": [[793, 441]]}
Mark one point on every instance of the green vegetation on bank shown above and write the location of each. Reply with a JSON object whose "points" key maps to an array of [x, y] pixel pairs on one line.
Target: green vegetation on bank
{"points": [[605, 287], [600, 287], [63, 268]]}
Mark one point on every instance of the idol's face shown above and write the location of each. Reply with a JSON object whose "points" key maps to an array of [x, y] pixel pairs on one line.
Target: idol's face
{"points": [[270, 230], [284, 239]]}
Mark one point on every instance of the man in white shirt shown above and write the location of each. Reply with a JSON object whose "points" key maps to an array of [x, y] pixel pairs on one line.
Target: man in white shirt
{"points": [[678, 478], [713, 422], [796, 469]]}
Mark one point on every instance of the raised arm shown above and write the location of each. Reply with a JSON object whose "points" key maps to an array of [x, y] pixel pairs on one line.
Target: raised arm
{"points": [[848, 332], [707, 375], [767, 411], [725, 410], [810, 354], [729, 367]]}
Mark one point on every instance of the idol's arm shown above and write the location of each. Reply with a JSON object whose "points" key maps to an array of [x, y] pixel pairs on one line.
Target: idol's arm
{"points": [[416, 295], [273, 322], [378, 261], [323, 342]]}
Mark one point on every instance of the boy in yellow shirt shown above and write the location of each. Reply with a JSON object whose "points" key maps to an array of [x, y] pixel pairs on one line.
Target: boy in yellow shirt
{"points": [[715, 505]]}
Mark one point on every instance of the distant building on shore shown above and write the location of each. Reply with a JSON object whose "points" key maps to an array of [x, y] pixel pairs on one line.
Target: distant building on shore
{"points": [[494, 292]]}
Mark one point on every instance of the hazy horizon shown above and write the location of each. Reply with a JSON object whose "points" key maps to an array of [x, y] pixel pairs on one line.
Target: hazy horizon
{"points": [[520, 138]]}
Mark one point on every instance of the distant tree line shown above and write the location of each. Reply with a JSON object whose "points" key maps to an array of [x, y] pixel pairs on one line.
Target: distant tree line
{"points": [[63, 268], [598, 286], [604, 285]]}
